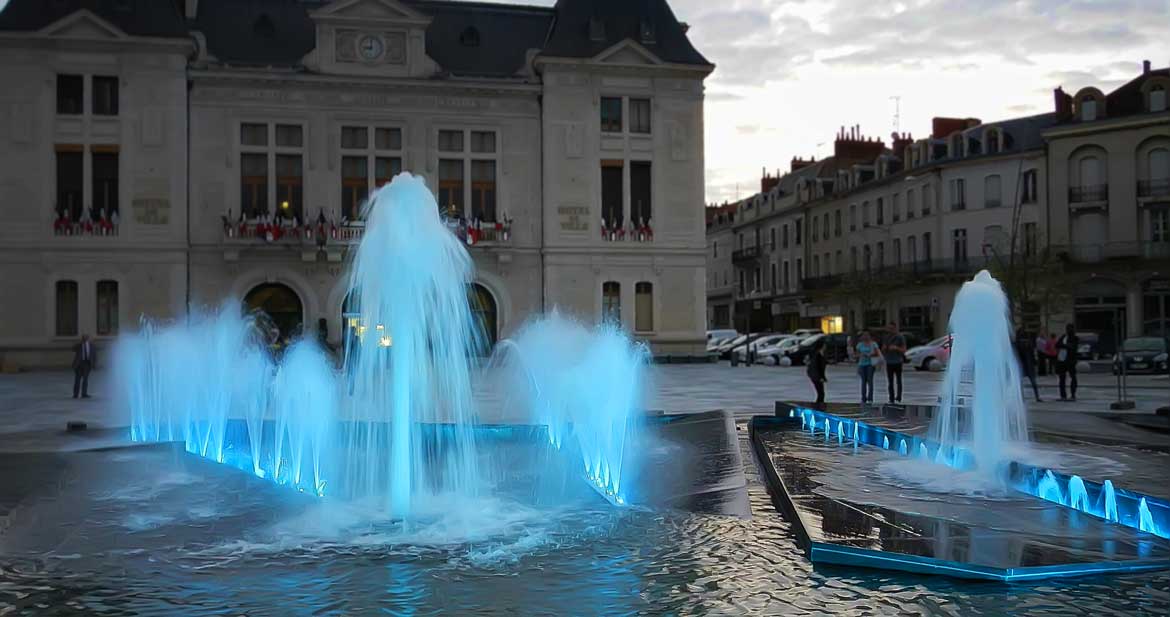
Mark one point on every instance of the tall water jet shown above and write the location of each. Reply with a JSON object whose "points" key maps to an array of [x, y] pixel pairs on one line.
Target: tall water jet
{"points": [[993, 416], [410, 364], [1078, 497], [1048, 488], [585, 386], [304, 415], [1145, 517], [1110, 496]]}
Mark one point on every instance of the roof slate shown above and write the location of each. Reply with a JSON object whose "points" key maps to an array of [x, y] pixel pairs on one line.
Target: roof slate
{"points": [[154, 18]]}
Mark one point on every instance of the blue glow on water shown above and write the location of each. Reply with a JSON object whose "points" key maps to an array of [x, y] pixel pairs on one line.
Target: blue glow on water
{"points": [[1049, 488], [923, 452], [902, 447], [1110, 502], [1145, 517], [885, 443], [554, 367], [1078, 497]]}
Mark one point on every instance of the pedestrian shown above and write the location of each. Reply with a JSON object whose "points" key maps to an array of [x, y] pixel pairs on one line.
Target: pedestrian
{"points": [[1025, 346], [867, 350], [1066, 361], [894, 353], [84, 359], [816, 369], [1041, 347]]}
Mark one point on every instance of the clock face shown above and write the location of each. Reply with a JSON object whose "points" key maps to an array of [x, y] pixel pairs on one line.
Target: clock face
{"points": [[370, 47]]}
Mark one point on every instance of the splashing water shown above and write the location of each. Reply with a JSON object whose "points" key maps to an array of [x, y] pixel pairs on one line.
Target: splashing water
{"points": [[411, 362], [1110, 502], [923, 453], [1048, 488], [1145, 517], [902, 450], [886, 443], [585, 385], [983, 361], [1078, 497]]}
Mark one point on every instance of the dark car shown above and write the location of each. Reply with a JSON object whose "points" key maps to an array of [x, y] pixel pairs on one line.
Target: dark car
{"points": [[836, 348], [1143, 354]]}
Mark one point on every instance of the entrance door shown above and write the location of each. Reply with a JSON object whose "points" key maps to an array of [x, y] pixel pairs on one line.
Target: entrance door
{"points": [[483, 309], [282, 308]]}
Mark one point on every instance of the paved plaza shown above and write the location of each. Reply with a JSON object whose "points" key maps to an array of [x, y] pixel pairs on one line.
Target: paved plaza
{"points": [[41, 402]]}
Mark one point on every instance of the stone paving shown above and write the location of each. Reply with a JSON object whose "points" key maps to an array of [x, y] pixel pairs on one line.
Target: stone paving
{"points": [[41, 402]]}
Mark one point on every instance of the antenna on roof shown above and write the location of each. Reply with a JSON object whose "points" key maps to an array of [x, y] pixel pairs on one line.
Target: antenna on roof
{"points": [[897, 113]]}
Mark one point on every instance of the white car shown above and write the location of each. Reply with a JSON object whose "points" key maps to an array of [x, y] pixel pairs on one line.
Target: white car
{"points": [[932, 356], [758, 344], [807, 332], [722, 334], [772, 353]]}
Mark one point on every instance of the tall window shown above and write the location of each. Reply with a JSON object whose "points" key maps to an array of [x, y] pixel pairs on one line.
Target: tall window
{"points": [[1090, 167], [105, 96], [992, 192], [1160, 225], [896, 207], [865, 214], [1028, 193], [611, 193], [361, 155], [772, 238], [927, 200], [881, 209], [867, 258], [837, 223], [463, 154], [816, 229], [611, 114], [105, 182], [773, 277], [784, 236], [611, 302], [960, 245], [1031, 239], [958, 194], [912, 249], [107, 308], [640, 181], [639, 115], [816, 266], [911, 207], [853, 259], [897, 251], [799, 227], [852, 217], [254, 184], [1088, 108], [70, 181], [787, 278], [926, 247], [644, 307], [66, 299], [70, 94], [289, 188], [1157, 98], [881, 255]]}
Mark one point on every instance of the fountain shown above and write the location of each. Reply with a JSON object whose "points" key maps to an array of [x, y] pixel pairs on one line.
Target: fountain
{"points": [[1078, 497], [1110, 497], [990, 421]]}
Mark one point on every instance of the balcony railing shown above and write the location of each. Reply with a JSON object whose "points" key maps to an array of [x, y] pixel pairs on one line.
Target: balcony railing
{"points": [[1154, 188], [611, 232], [331, 234], [95, 224], [1099, 252], [1088, 193], [748, 253]]}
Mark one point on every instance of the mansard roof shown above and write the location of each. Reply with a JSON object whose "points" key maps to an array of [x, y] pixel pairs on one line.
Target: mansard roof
{"points": [[502, 33], [153, 18], [586, 28]]}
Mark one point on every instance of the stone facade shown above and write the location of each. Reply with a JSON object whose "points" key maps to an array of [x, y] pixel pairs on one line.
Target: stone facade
{"points": [[208, 127]]}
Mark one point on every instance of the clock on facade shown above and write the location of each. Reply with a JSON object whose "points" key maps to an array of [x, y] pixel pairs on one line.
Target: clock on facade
{"points": [[370, 47]]}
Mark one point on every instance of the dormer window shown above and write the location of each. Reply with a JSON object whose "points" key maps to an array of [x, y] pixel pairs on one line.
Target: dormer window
{"points": [[956, 146], [469, 37], [1088, 108], [1157, 98], [596, 29], [647, 31], [993, 142]]}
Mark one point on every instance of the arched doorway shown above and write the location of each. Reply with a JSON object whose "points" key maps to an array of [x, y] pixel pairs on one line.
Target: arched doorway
{"points": [[282, 306], [483, 309]]}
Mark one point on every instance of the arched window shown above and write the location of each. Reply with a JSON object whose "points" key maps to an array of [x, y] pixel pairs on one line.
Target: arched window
{"points": [[956, 145], [66, 301], [1159, 164], [994, 141], [1157, 98], [107, 308], [644, 307], [280, 306], [611, 302]]}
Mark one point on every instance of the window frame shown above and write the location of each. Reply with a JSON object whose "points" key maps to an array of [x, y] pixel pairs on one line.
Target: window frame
{"points": [[467, 156]]}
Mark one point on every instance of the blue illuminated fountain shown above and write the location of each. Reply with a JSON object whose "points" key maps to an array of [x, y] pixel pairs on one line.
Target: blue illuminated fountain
{"points": [[398, 422]]}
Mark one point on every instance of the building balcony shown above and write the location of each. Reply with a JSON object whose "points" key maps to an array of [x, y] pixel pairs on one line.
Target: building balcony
{"points": [[746, 254], [322, 236], [92, 226], [1108, 251], [1154, 188], [1088, 194], [629, 233]]}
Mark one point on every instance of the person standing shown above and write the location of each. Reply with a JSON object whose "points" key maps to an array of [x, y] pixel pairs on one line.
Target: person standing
{"points": [[84, 360], [894, 353], [816, 369], [1066, 361], [1025, 346], [867, 350], [1041, 345]]}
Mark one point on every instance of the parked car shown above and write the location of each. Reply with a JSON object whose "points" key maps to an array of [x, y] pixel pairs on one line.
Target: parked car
{"points": [[772, 353], [1143, 354], [725, 350], [807, 332], [721, 334], [932, 356], [1089, 347], [836, 348], [758, 344]]}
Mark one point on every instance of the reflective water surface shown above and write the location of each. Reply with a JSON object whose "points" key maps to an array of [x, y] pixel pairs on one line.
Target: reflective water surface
{"points": [[157, 531]]}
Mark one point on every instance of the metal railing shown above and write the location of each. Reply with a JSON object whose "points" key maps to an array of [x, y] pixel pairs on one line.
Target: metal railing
{"points": [[1088, 193], [1098, 252], [92, 229], [1154, 188], [747, 253], [486, 234]]}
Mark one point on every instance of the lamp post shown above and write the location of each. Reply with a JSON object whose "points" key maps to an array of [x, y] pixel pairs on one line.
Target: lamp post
{"points": [[1121, 403]]}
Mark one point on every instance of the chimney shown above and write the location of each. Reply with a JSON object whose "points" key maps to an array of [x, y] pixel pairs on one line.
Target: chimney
{"points": [[799, 163], [1063, 102], [768, 182], [1145, 67], [851, 146], [941, 127], [899, 141]]}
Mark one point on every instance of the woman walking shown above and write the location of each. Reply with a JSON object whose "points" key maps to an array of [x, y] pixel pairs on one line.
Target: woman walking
{"points": [[816, 369], [867, 350], [1066, 361]]}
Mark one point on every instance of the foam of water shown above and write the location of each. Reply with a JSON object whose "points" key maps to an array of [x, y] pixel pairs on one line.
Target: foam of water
{"points": [[982, 408]]}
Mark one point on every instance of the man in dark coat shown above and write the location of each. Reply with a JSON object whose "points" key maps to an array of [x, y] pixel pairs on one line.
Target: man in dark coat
{"points": [[1066, 361], [84, 359]]}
